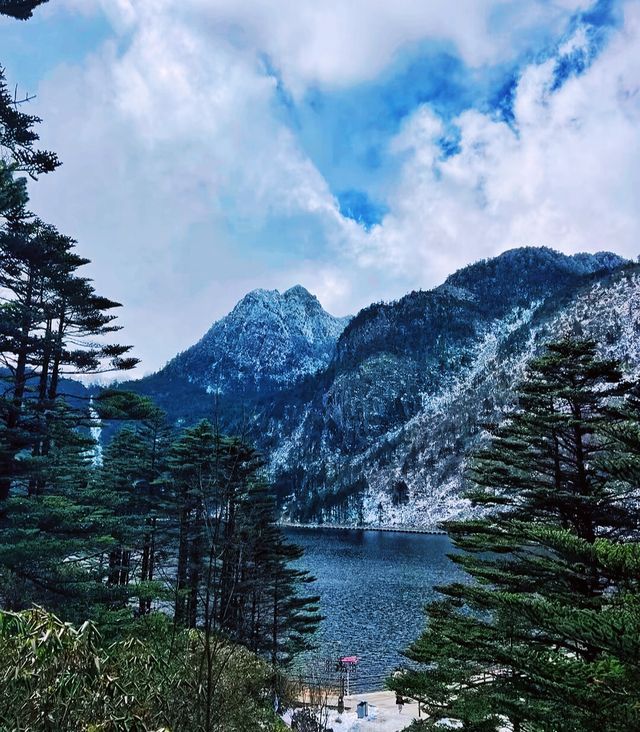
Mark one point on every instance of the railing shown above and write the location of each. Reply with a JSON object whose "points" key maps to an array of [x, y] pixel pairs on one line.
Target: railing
{"points": [[359, 683]]}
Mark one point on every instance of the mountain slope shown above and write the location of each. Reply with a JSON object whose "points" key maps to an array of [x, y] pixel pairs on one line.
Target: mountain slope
{"points": [[382, 439], [268, 340], [370, 420]]}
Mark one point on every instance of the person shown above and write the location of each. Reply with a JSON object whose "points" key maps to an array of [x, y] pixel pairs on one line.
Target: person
{"points": [[399, 701]]}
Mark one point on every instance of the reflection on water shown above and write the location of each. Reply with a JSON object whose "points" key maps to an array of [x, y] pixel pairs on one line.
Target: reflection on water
{"points": [[373, 586]]}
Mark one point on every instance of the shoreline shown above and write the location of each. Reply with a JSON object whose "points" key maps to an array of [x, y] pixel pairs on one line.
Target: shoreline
{"points": [[344, 527]]}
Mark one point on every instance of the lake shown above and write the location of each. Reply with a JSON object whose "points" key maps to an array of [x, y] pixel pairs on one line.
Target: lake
{"points": [[373, 587]]}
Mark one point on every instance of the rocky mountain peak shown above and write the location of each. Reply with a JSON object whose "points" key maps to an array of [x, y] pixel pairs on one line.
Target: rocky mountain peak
{"points": [[519, 276], [270, 339], [298, 292], [296, 299]]}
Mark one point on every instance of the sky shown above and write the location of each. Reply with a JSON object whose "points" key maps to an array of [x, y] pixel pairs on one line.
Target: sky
{"points": [[361, 148]]}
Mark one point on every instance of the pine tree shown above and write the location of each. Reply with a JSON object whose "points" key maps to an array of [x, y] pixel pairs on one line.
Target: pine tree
{"points": [[50, 321], [52, 537], [192, 466], [50, 316], [129, 485], [20, 9], [294, 616], [52, 325], [18, 140], [277, 618], [508, 643], [152, 500], [235, 572], [122, 469]]}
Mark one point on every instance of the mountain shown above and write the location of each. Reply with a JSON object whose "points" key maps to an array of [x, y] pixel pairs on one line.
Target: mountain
{"points": [[369, 421], [383, 437], [268, 342]]}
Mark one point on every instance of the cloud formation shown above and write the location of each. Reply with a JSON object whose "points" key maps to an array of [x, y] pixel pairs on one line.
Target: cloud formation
{"points": [[187, 185], [339, 43], [565, 173]]}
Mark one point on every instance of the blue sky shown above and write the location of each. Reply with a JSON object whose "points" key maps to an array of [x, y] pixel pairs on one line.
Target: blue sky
{"points": [[360, 147]]}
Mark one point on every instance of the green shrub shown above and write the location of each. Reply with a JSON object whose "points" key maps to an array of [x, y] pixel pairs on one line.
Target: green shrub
{"points": [[54, 676]]}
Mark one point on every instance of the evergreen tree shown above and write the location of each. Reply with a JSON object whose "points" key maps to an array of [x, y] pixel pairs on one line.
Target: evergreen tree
{"points": [[294, 616], [52, 325], [20, 9], [50, 316], [54, 531], [152, 499], [18, 146], [119, 480], [49, 323], [509, 643], [234, 567], [192, 465], [276, 618], [130, 484]]}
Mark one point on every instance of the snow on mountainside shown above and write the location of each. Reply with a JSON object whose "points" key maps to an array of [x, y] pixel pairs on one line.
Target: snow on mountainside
{"points": [[370, 420], [383, 440], [429, 455], [268, 340]]}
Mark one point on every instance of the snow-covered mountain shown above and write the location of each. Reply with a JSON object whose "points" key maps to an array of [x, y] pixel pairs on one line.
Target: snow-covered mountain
{"points": [[370, 421], [266, 344], [268, 341]]}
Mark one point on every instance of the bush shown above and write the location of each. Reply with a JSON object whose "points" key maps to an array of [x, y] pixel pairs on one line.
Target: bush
{"points": [[54, 676]]}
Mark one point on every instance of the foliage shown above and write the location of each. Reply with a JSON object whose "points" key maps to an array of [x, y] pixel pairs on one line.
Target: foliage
{"points": [[55, 676], [546, 634], [20, 9], [234, 565], [52, 324]]}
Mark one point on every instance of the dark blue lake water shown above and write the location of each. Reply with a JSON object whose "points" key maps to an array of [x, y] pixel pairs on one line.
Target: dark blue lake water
{"points": [[373, 587]]}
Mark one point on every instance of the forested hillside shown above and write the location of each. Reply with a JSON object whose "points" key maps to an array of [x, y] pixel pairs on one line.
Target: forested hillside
{"points": [[376, 429]]}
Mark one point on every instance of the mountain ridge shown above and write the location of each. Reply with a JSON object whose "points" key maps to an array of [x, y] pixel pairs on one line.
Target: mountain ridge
{"points": [[356, 423]]}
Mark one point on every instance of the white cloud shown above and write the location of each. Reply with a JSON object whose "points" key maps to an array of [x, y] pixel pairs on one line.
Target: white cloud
{"points": [[187, 190], [341, 42], [567, 176]]}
